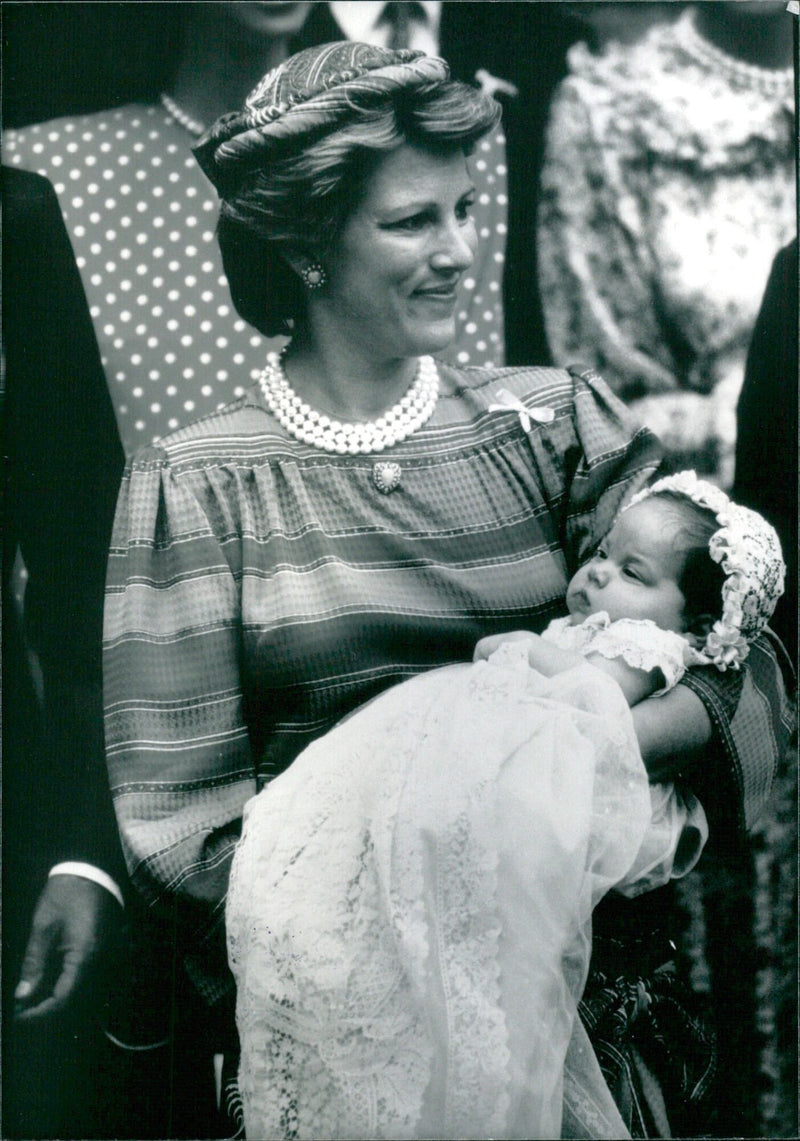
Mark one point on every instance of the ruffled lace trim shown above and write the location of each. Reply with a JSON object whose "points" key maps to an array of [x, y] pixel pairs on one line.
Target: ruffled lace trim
{"points": [[748, 549], [639, 642]]}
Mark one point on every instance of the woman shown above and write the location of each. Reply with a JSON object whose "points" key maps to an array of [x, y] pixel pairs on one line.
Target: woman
{"points": [[172, 344], [363, 513]]}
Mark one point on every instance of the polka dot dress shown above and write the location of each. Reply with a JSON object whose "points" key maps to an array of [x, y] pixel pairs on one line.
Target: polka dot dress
{"points": [[479, 318], [141, 216]]}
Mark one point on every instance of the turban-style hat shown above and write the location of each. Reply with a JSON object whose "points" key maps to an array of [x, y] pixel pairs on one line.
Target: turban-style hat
{"points": [[309, 93]]}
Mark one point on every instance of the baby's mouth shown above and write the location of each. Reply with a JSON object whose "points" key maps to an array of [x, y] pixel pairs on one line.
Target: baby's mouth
{"points": [[578, 602]]}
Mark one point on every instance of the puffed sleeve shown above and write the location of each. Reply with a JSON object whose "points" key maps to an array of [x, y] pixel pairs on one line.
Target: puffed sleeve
{"points": [[177, 744], [592, 462], [597, 282], [643, 646]]}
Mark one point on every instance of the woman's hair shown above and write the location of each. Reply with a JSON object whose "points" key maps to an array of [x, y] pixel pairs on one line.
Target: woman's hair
{"points": [[307, 188], [701, 579]]}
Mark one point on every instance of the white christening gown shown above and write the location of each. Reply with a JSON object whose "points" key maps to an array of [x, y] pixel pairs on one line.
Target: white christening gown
{"points": [[409, 913]]}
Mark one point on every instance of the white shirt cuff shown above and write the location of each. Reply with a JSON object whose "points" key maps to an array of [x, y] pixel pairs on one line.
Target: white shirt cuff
{"points": [[89, 872]]}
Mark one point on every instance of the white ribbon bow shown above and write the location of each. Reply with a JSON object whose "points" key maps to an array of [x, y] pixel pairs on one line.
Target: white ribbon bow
{"points": [[507, 402], [494, 85]]}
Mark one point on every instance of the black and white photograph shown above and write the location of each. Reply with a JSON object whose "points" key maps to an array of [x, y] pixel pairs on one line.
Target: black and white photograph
{"points": [[400, 622]]}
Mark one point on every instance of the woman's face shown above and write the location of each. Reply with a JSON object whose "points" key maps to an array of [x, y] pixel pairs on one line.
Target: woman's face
{"points": [[393, 272]]}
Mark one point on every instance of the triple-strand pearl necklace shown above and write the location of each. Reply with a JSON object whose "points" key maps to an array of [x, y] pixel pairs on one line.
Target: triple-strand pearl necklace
{"points": [[350, 438]]}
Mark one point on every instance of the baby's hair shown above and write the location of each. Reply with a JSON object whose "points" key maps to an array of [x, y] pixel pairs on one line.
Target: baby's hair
{"points": [[701, 579]]}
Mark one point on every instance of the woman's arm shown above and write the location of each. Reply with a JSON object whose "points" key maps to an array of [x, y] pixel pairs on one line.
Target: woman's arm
{"points": [[672, 730], [754, 722], [177, 744]]}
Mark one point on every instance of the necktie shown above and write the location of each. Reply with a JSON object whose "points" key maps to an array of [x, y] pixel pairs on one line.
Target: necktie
{"points": [[399, 17]]}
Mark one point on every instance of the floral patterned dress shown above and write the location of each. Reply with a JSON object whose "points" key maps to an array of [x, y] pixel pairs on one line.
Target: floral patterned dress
{"points": [[668, 188]]}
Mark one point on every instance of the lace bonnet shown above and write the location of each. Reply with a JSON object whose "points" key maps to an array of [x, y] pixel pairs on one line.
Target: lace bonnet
{"points": [[749, 552]]}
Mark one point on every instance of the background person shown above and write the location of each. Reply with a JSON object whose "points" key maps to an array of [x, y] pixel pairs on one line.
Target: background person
{"points": [[668, 187], [766, 425], [62, 863], [140, 216], [362, 513], [766, 479]]}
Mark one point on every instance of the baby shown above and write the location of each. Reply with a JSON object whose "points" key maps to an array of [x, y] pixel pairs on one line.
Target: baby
{"points": [[409, 916], [680, 559], [683, 578]]}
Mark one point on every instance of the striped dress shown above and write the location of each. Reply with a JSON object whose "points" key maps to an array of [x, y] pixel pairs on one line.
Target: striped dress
{"points": [[259, 589]]}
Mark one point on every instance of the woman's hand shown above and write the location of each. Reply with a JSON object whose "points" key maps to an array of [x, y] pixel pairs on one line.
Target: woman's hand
{"points": [[671, 731]]}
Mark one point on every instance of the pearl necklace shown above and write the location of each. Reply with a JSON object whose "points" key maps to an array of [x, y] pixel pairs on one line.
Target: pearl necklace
{"points": [[193, 126], [354, 438], [770, 81]]}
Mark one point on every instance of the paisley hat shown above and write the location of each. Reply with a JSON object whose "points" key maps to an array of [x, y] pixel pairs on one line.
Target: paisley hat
{"points": [[308, 94]]}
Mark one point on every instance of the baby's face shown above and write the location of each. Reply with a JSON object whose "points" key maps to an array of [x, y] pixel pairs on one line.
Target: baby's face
{"points": [[635, 571]]}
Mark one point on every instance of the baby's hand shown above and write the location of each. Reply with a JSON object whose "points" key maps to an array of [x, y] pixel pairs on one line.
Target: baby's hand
{"points": [[543, 656], [487, 646]]}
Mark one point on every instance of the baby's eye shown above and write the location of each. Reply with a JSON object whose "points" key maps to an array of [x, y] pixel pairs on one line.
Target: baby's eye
{"points": [[630, 572], [601, 553]]}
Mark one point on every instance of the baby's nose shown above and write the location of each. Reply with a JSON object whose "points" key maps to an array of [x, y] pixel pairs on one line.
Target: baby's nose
{"points": [[598, 573]]}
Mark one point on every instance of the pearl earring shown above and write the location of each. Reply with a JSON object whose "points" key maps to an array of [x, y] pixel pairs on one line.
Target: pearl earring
{"points": [[314, 276]]}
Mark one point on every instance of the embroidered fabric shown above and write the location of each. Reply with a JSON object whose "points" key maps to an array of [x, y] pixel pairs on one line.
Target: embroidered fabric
{"points": [[736, 112], [668, 186], [410, 905], [639, 642]]}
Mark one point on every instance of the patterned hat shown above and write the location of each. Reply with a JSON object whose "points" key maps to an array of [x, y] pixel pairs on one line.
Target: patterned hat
{"points": [[749, 552], [315, 89]]}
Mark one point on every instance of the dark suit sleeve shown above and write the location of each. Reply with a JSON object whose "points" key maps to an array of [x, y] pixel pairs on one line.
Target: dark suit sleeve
{"points": [[526, 45], [766, 429], [63, 461]]}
